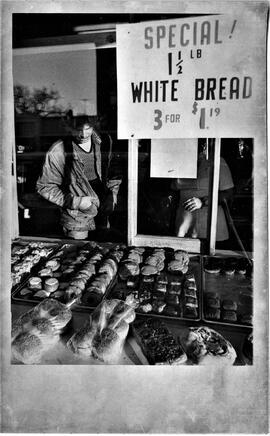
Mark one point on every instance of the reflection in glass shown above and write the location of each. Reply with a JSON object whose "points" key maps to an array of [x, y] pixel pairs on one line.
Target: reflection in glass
{"points": [[179, 207]]}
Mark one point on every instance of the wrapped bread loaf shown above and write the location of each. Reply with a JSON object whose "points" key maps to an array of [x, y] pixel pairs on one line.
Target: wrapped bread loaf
{"points": [[104, 333], [38, 330]]}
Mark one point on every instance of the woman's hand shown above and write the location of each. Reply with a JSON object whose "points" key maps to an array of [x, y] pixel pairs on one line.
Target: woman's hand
{"points": [[193, 204]]}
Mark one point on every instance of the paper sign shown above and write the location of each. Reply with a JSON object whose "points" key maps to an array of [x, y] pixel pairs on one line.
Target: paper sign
{"points": [[174, 158], [191, 77]]}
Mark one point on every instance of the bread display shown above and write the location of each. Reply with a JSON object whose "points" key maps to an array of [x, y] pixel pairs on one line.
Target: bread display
{"points": [[38, 330], [228, 294], [76, 271], [161, 292], [157, 343], [205, 346], [104, 334]]}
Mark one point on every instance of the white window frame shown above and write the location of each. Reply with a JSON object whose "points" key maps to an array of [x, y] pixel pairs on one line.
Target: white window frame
{"points": [[190, 244]]}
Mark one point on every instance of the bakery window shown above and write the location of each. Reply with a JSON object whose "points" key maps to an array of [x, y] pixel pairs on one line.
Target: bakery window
{"points": [[194, 193]]}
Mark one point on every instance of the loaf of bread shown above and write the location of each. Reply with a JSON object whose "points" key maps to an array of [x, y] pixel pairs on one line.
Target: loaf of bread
{"points": [[39, 329], [104, 333]]}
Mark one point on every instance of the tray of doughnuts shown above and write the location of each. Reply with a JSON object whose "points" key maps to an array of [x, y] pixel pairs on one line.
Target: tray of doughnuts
{"points": [[227, 290], [165, 282], [27, 257], [81, 270]]}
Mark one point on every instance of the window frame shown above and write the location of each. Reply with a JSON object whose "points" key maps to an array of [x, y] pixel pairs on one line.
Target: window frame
{"points": [[190, 244]]}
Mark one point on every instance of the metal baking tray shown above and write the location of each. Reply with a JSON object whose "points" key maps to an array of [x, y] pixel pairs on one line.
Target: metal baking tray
{"points": [[66, 250], [120, 289], [21, 243], [236, 287]]}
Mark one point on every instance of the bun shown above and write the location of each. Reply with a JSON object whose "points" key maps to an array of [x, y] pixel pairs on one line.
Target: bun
{"points": [[212, 313], [229, 305]]}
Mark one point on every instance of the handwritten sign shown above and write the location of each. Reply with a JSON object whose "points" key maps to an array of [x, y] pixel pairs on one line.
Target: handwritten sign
{"points": [[190, 77], [166, 161]]}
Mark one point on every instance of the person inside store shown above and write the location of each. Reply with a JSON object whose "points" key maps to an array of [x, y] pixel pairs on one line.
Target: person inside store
{"points": [[76, 178], [192, 210]]}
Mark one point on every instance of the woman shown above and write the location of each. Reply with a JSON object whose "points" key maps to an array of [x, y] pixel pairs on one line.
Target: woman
{"points": [[191, 215]]}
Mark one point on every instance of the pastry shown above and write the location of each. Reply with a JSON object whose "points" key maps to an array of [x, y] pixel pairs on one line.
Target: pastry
{"points": [[212, 265], [191, 302], [190, 279], [42, 294], [213, 303], [171, 310], [145, 307], [148, 270], [211, 295], [246, 299], [229, 266], [212, 313], [158, 343], [229, 315], [135, 257], [127, 269], [229, 305], [53, 264], [148, 279], [172, 299], [174, 288], [132, 282], [190, 312], [158, 296], [45, 272], [190, 292], [79, 283], [176, 266], [26, 291], [241, 266], [35, 283], [162, 279], [51, 284], [160, 287], [205, 346], [183, 257], [246, 318], [158, 306]]}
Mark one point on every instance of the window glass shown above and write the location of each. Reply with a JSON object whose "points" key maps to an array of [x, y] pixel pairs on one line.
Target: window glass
{"points": [[173, 206]]}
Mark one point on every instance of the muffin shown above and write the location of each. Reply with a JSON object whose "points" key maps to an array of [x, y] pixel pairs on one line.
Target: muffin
{"points": [[212, 313], [229, 305], [229, 315]]}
